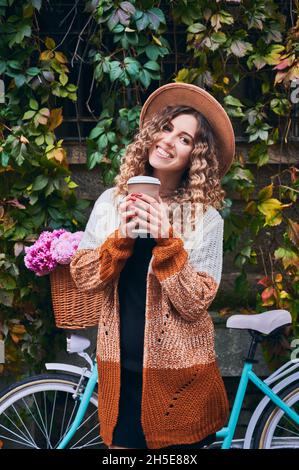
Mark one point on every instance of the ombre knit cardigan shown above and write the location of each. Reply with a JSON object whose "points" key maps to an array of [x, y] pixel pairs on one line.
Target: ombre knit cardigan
{"points": [[183, 394]]}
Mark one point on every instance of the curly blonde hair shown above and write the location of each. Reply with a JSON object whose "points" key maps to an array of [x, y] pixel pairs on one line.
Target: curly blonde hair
{"points": [[200, 181]]}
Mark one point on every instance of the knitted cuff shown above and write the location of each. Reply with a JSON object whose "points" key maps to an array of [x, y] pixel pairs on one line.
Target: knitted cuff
{"points": [[120, 241], [169, 256]]}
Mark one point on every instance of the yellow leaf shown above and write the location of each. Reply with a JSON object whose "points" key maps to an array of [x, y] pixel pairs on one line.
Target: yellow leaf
{"points": [[182, 75], [63, 78], [226, 80], [268, 303], [74, 221], [50, 43], [278, 278], [56, 118], [60, 57], [284, 295], [46, 55], [271, 208], [157, 41], [265, 193], [58, 154]]}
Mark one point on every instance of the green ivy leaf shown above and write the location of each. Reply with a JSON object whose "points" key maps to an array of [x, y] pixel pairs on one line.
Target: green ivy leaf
{"points": [[33, 71], [95, 132], [145, 78], [20, 80], [151, 65], [93, 159], [152, 52], [115, 70], [40, 183], [196, 28], [102, 142], [232, 101], [33, 104], [219, 37], [156, 16], [28, 115], [132, 66], [63, 78]]}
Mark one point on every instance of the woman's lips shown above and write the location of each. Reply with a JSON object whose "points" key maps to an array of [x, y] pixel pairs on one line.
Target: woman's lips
{"points": [[163, 154]]}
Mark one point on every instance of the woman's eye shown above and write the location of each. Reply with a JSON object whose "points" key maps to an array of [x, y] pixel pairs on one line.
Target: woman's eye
{"points": [[185, 140], [166, 127]]}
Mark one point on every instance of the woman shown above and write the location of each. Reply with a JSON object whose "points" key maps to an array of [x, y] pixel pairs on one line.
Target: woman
{"points": [[159, 383]]}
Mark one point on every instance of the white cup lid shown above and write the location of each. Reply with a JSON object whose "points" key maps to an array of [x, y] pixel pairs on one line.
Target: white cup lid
{"points": [[143, 179]]}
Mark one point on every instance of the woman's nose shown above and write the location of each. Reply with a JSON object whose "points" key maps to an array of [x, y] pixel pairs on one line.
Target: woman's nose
{"points": [[168, 140]]}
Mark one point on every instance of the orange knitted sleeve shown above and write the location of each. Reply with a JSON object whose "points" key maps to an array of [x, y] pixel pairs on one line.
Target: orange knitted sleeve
{"points": [[94, 268], [189, 291]]}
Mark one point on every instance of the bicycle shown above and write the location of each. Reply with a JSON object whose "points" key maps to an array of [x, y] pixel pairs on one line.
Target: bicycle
{"points": [[60, 410]]}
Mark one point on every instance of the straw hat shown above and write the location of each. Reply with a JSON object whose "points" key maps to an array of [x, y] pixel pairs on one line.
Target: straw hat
{"points": [[185, 94]]}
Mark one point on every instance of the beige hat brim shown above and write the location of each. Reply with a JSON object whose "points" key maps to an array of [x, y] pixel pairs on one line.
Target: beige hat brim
{"points": [[185, 94]]}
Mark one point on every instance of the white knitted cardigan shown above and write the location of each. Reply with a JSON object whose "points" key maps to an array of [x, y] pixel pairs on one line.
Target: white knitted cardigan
{"points": [[203, 244]]}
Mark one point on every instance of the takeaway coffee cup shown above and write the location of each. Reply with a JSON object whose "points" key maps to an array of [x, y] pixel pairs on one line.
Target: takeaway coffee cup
{"points": [[147, 185]]}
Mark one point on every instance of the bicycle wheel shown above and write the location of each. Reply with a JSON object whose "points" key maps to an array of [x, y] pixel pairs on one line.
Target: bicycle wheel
{"points": [[275, 429], [37, 412]]}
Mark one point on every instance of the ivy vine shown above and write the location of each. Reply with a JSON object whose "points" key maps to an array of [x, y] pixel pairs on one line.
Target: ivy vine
{"points": [[244, 53]]}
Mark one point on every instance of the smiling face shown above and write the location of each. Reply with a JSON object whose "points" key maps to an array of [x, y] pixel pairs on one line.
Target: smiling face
{"points": [[170, 152]]}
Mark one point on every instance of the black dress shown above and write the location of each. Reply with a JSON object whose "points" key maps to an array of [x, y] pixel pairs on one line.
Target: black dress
{"points": [[132, 295]]}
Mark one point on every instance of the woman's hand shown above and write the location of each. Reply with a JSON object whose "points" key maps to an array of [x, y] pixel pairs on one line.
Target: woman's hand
{"points": [[128, 217], [152, 216]]}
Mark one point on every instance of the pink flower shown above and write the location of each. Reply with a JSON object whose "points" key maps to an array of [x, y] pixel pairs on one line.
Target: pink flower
{"points": [[50, 249]]}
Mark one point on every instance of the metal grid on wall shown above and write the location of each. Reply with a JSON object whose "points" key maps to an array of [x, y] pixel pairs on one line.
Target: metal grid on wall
{"points": [[58, 19]]}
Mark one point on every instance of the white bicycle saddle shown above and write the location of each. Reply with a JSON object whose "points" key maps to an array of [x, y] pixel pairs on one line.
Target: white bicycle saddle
{"points": [[262, 322]]}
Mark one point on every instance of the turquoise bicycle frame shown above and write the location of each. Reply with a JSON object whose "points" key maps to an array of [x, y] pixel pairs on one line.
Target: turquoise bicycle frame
{"points": [[226, 433]]}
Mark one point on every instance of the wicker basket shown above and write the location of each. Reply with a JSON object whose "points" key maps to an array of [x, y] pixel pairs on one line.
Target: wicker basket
{"points": [[72, 308]]}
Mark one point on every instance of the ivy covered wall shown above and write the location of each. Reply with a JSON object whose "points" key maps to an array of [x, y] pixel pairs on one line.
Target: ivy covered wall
{"points": [[90, 82]]}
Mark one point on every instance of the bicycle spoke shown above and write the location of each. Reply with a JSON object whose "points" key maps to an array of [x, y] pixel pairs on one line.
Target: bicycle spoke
{"points": [[21, 433], [52, 417], [23, 441], [288, 430], [25, 427], [90, 443], [41, 418], [85, 435], [33, 417], [39, 413], [63, 417]]}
